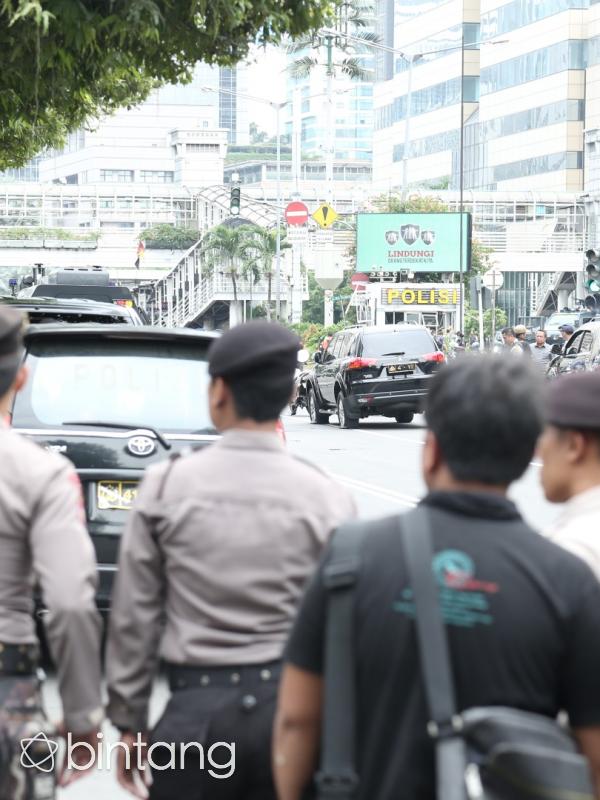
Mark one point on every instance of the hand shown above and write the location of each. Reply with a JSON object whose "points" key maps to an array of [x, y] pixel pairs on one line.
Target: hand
{"points": [[81, 757], [133, 772]]}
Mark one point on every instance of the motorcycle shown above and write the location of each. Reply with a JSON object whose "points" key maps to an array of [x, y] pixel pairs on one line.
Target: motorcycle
{"points": [[300, 395]]}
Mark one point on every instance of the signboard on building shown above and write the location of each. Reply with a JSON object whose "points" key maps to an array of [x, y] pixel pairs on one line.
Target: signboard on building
{"points": [[442, 294], [413, 242]]}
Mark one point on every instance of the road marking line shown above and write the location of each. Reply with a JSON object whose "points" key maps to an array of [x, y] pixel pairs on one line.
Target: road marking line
{"points": [[418, 442], [379, 491]]}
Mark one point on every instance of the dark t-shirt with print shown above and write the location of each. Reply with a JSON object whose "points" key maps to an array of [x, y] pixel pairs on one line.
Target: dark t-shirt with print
{"points": [[523, 622]]}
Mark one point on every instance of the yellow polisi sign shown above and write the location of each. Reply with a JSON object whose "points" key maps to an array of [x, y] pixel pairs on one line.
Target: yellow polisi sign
{"points": [[325, 216], [420, 297]]}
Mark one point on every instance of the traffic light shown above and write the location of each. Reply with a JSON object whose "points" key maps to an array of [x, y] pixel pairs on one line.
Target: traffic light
{"points": [[234, 202], [592, 279]]}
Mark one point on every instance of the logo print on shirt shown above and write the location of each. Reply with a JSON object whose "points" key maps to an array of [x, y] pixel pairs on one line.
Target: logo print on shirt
{"points": [[463, 597]]}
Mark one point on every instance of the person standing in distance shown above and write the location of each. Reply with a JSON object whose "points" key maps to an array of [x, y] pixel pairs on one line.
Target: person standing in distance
{"points": [[43, 540], [541, 351], [219, 545], [570, 452]]}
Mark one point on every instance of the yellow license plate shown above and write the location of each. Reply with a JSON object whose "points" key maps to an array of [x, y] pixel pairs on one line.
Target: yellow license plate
{"points": [[116, 494]]}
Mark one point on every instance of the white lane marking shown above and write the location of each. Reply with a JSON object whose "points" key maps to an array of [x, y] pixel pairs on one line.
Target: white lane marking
{"points": [[378, 491], [404, 440]]}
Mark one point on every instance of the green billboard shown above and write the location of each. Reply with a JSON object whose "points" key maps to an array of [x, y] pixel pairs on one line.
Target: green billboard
{"points": [[414, 242]]}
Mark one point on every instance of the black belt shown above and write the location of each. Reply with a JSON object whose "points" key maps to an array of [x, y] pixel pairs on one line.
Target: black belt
{"points": [[19, 659], [182, 677]]}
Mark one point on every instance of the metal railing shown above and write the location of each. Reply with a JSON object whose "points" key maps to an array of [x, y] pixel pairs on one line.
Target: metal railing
{"points": [[188, 291], [530, 241]]}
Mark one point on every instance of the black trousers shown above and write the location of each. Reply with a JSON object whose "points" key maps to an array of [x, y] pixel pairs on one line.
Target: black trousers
{"points": [[226, 725]]}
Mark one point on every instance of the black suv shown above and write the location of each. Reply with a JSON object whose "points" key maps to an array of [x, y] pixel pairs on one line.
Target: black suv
{"points": [[372, 370], [114, 399]]}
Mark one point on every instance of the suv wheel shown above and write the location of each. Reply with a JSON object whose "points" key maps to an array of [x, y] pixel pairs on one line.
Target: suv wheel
{"points": [[344, 420], [405, 418], [317, 417]]}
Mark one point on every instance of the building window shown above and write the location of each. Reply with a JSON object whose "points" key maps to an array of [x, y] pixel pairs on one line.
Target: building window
{"points": [[538, 165], [519, 13], [116, 175], [532, 66], [156, 176], [424, 100], [201, 147]]}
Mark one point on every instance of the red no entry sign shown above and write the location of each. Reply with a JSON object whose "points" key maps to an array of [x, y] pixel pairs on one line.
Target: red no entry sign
{"points": [[296, 213]]}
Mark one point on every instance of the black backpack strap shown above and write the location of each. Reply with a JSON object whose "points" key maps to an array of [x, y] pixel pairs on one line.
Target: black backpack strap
{"points": [[445, 724], [337, 778]]}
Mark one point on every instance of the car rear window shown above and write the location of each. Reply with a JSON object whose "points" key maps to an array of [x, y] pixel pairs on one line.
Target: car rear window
{"points": [[163, 384], [49, 317], [407, 342], [562, 319], [102, 294]]}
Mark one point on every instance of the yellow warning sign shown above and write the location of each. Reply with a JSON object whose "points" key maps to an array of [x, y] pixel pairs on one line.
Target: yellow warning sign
{"points": [[325, 216]]}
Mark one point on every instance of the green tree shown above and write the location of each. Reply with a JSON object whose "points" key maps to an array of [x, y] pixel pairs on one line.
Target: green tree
{"points": [[63, 62], [472, 321], [260, 253], [337, 53], [224, 250], [169, 237]]}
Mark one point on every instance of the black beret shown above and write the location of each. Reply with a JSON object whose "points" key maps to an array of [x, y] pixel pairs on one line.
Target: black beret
{"points": [[256, 345], [11, 335], [573, 401]]}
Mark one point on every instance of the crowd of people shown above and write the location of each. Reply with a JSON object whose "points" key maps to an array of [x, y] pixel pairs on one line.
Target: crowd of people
{"points": [[226, 578]]}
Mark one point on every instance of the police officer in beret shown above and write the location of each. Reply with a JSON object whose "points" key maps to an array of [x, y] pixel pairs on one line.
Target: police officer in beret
{"points": [[212, 566], [43, 540], [570, 450]]}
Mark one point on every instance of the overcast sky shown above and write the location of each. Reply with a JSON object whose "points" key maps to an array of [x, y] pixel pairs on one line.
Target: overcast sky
{"points": [[266, 79]]}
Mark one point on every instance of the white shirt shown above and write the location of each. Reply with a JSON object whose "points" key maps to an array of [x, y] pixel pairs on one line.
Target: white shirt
{"points": [[578, 528]]}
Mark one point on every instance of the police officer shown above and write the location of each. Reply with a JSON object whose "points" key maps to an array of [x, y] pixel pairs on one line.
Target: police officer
{"points": [[42, 539], [219, 546]]}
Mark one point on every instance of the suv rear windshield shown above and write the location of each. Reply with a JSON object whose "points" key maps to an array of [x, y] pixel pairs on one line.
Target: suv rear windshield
{"points": [[102, 294], [554, 320], [49, 317], [163, 384], [411, 343]]}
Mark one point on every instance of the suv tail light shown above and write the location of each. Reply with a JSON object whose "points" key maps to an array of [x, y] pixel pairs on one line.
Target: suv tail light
{"points": [[438, 357], [124, 303], [362, 363]]}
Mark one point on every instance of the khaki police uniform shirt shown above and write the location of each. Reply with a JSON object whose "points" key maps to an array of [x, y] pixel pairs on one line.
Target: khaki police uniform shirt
{"points": [[577, 529], [239, 529], [43, 539]]}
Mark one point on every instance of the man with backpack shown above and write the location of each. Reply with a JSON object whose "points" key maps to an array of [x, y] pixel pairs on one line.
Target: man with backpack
{"points": [[519, 641]]}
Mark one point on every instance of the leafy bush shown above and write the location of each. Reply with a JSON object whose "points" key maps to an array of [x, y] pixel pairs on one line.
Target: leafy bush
{"points": [[48, 233], [169, 237]]}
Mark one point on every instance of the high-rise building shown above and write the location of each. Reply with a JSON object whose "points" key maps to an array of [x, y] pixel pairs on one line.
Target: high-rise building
{"points": [[521, 78], [423, 86], [138, 146], [351, 113]]}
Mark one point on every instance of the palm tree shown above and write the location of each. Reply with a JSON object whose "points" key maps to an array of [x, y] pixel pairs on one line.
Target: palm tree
{"points": [[223, 249], [261, 250], [352, 18]]}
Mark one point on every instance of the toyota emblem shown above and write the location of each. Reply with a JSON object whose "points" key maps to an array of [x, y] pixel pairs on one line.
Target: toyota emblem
{"points": [[141, 445]]}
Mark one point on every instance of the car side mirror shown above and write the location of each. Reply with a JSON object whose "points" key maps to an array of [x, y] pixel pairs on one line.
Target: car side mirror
{"points": [[318, 357], [572, 351], [556, 350]]}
